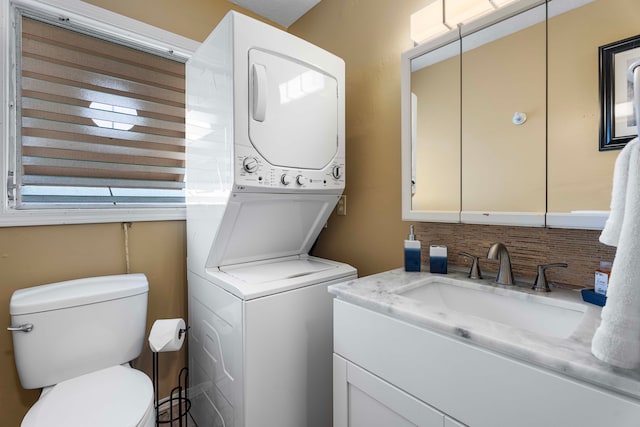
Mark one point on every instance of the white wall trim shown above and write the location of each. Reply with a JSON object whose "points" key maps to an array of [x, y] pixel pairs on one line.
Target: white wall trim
{"points": [[89, 216], [432, 216], [112, 24], [585, 220]]}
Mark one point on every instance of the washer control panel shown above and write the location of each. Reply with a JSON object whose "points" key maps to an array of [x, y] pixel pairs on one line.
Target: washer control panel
{"points": [[253, 172]]}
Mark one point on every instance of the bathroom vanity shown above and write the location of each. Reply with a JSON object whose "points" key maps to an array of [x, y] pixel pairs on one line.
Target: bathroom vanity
{"points": [[418, 349]]}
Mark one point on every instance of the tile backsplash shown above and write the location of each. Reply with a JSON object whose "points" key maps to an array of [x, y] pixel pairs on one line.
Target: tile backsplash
{"points": [[528, 247]]}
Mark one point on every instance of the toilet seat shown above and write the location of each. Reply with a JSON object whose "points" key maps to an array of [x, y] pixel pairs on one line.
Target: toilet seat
{"points": [[118, 396]]}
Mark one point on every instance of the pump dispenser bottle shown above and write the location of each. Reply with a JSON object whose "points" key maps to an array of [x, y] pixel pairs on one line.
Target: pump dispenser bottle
{"points": [[411, 252]]}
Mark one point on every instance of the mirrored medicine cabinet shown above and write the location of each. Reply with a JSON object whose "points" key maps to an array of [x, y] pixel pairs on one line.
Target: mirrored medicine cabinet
{"points": [[500, 118]]}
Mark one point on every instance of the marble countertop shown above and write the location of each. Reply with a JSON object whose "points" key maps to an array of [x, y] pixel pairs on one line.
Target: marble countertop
{"points": [[569, 356]]}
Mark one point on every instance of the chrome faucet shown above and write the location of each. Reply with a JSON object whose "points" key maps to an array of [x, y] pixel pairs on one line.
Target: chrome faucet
{"points": [[474, 271], [541, 284], [498, 251]]}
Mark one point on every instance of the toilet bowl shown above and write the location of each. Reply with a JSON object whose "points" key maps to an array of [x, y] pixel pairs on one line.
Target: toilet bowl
{"points": [[80, 337]]}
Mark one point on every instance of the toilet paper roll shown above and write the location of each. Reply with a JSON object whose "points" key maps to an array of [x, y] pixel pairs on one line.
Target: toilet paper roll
{"points": [[165, 335]]}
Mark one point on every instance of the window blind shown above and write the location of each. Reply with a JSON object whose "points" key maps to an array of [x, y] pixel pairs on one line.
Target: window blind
{"points": [[100, 123]]}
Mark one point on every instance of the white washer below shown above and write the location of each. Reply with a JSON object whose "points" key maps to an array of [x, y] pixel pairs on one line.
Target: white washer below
{"points": [[260, 344], [118, 396]]}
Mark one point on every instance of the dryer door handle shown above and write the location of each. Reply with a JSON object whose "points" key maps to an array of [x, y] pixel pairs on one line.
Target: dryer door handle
{"points": [[259, 92]]}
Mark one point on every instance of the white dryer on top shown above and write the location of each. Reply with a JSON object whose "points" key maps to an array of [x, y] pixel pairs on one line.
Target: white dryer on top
{"points": [[265, 116]]}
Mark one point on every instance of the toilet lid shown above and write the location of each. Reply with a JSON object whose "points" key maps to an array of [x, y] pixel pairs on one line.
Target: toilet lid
{"points": [[114, 397]]}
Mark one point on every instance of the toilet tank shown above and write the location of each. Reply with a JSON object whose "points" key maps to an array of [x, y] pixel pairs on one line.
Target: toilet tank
{"points": [[79, 326]]}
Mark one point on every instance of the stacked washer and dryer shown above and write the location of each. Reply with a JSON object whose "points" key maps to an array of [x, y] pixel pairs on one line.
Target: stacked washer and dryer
{"points": [[265, 168]]}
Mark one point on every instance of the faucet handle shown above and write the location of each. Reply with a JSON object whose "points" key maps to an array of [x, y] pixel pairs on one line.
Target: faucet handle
{"points": [[474, 272], [541, 284]]}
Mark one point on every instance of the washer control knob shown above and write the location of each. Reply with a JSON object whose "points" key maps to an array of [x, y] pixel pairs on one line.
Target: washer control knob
{"points": [[337, 172], [301, 180], [250, 164], [285, 179]]}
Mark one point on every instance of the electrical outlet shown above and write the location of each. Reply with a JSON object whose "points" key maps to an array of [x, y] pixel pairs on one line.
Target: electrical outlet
{"points": [[341, 207]]}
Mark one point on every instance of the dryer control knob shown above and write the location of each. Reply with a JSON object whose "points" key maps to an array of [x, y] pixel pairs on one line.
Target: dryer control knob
{"points": [[285, 179], [301, 180], [250, 164], [337, 172]]}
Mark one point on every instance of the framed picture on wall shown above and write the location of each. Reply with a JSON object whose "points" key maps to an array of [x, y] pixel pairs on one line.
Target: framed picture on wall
{"points": [[618, 124]]}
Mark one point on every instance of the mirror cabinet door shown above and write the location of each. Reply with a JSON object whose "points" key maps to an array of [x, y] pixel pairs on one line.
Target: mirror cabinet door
{"points": [[579, 175], [503, 163], [435, 134]]}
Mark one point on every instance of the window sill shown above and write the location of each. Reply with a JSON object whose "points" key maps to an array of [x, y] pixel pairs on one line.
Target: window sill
{"points": [[15, 218]]}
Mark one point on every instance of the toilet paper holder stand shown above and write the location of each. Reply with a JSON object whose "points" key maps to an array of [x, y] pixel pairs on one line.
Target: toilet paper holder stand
{"points": [[179, 394]]}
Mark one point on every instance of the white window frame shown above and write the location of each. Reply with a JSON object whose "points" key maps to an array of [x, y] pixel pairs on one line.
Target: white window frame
{"points": [[79, 14]]}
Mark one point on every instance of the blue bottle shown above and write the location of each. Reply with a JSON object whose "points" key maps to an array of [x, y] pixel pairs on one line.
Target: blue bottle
{"points": [[438, 259]]}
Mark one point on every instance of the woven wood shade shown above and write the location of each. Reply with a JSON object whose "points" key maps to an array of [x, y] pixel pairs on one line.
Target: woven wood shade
{"points": [[100, 122]]}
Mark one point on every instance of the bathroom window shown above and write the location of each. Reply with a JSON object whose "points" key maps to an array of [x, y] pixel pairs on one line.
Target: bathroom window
{"points": [[100, 123], [98, 120]]}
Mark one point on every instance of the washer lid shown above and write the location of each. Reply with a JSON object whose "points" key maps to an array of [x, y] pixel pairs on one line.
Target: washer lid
{"points": [[116, 396], [273, 276]]}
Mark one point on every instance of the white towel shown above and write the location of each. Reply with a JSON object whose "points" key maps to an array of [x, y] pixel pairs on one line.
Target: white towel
{"points": [[611, 232], [617, 340]]}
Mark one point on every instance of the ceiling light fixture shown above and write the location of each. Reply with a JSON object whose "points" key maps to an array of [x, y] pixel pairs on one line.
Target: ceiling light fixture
{"points": [[441, 16], [462, 11]]}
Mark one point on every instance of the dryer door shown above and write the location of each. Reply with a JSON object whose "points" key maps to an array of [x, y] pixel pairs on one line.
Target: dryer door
{"points": [[293, 120]]}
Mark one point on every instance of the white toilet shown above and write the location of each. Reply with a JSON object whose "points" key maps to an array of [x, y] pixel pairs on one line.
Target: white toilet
{"points": [[75, 340]]}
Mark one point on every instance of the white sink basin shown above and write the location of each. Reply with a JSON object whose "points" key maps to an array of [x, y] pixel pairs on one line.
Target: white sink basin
{"points": [[540, 314]]}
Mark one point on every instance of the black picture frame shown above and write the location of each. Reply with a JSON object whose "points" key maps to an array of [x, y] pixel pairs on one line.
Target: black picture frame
{"points": [[615, 88]]}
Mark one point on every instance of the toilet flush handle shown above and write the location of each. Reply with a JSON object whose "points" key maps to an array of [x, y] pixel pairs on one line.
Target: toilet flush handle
{"points": [[27, 327]]}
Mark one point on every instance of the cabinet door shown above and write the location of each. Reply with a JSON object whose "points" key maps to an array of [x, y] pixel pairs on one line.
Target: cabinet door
{"points": [[504, 164], [579, 189], [364, 400]]}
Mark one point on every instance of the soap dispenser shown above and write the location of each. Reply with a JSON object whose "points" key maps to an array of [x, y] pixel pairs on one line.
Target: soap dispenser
{"points": [[412, 252]]}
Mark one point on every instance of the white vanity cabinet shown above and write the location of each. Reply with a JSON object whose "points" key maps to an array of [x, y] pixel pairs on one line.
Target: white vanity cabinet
{"points": [[390, 372], [363, 400]]}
